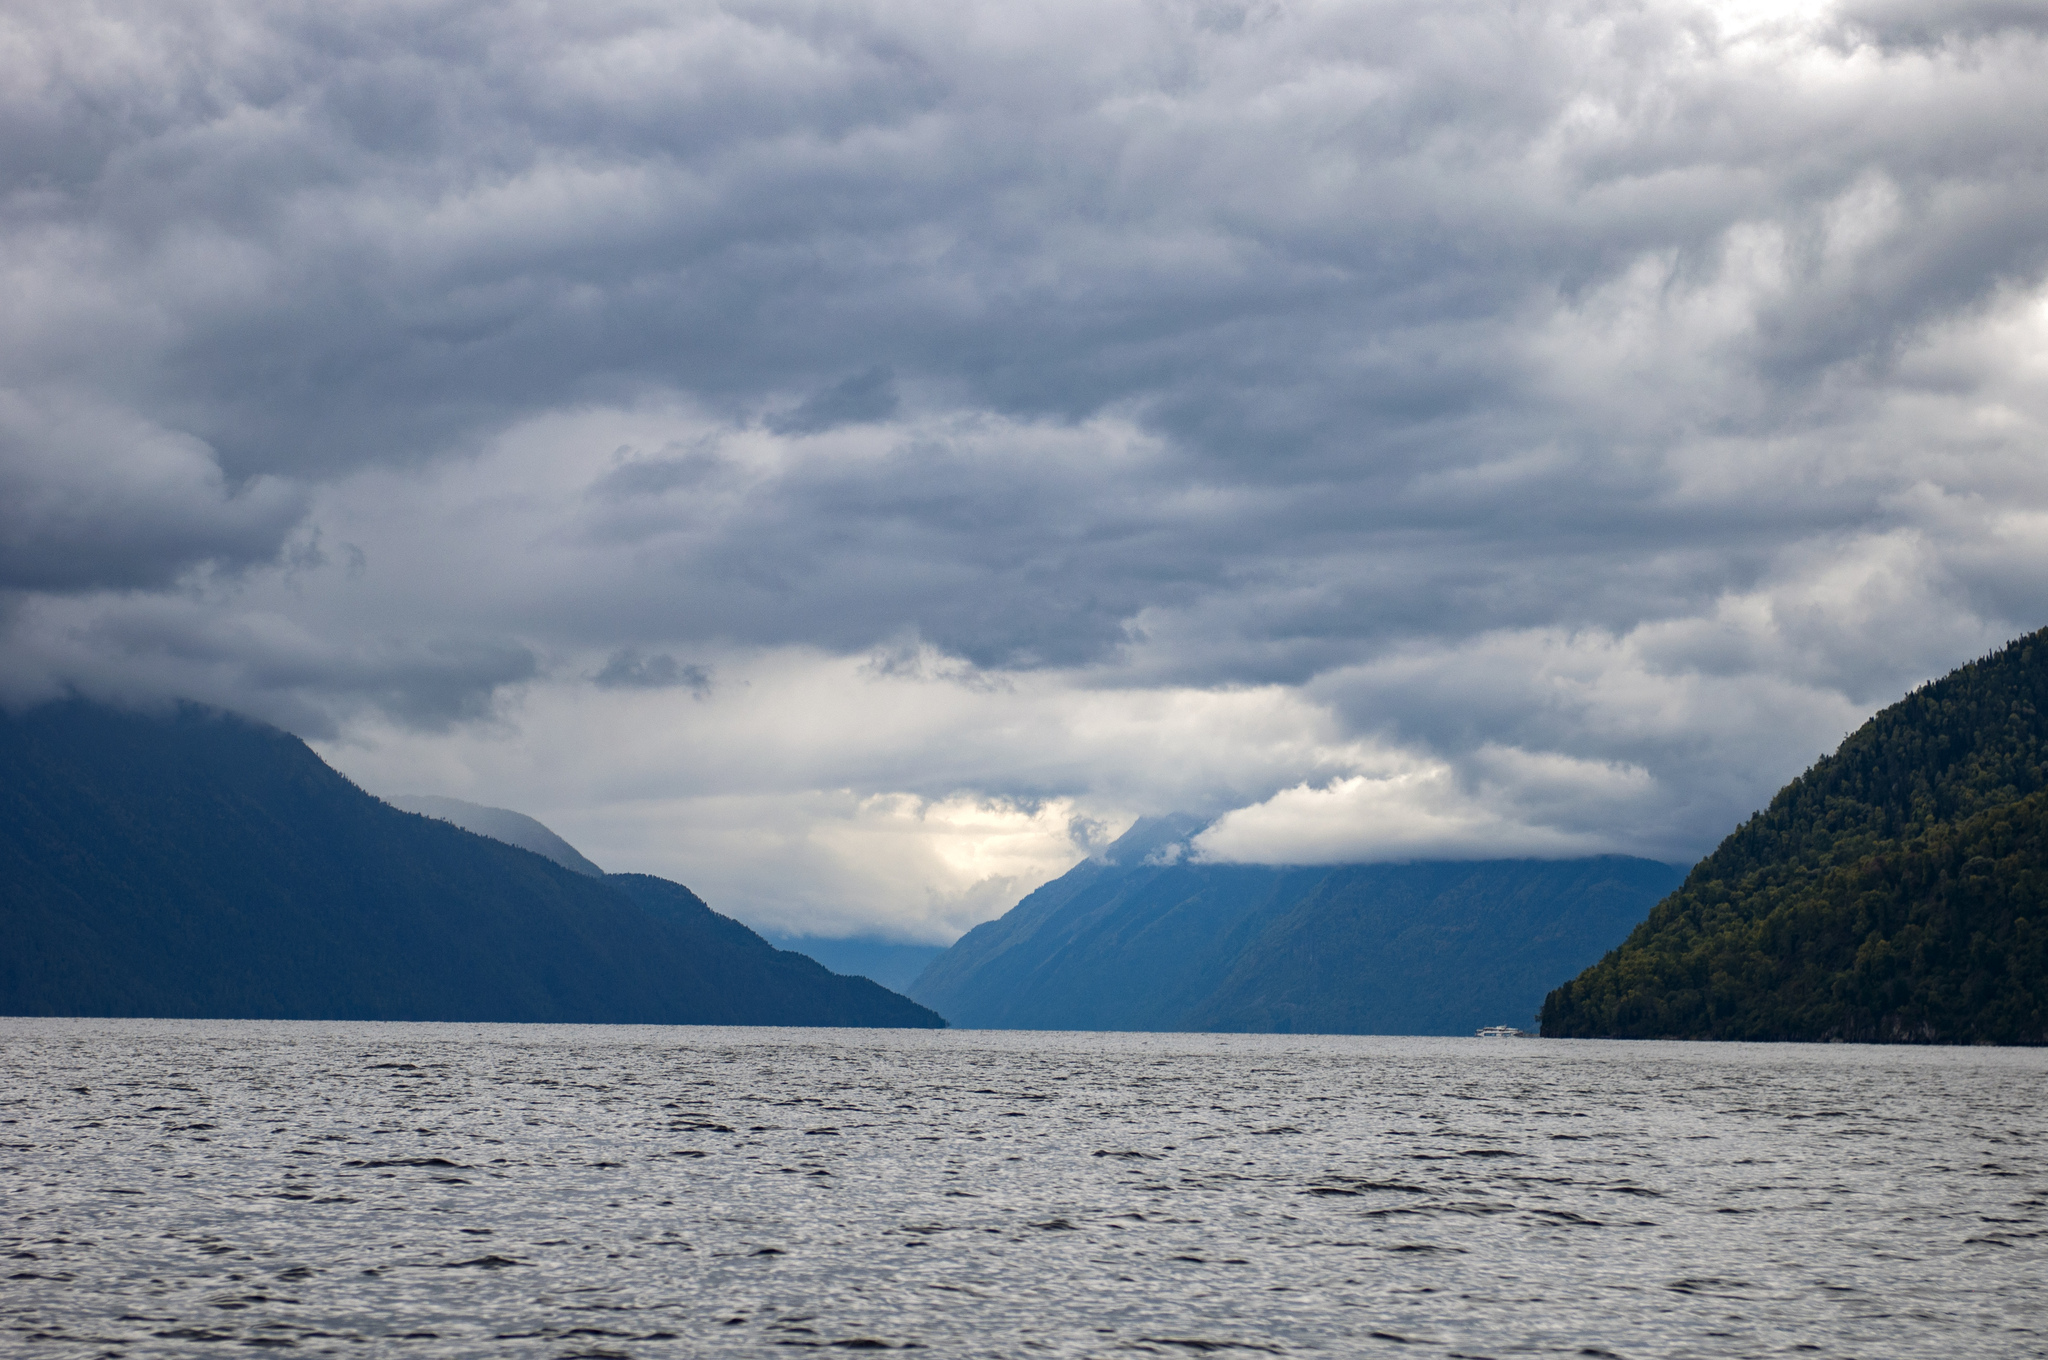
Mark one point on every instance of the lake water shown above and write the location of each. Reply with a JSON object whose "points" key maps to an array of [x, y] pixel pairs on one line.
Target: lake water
{"points": [[455, 1190]]}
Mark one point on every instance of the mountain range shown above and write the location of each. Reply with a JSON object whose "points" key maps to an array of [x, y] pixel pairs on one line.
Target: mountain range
{"points": [[1139, 938], [189, 862]]}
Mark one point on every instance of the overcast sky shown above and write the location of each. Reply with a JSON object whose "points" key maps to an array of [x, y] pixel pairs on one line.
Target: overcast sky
{"points": [[853, 457]]}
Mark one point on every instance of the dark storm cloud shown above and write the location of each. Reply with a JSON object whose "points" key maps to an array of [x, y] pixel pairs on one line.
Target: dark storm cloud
{"points": [[1199, 344]]}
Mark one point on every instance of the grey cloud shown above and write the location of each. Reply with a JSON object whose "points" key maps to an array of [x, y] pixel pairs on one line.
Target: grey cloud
{"points": [[863, 397], [470, 214], [628, 669], [90, 499], [657, 475], [1904, 24], [138, 648], [1000, 551]]}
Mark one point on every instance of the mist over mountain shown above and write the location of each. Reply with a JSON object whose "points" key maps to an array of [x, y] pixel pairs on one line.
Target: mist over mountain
{"points": [[1143, 939], [194, 863], [1896, 891]]}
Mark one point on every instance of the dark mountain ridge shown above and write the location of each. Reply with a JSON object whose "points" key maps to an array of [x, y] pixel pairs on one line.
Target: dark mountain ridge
{"points": [[198, 864], [1897, 891], [1141, 939]]}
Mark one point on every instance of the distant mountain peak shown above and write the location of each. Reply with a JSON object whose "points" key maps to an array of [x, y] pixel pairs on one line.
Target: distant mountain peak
{"points": [[1154, 840], [500, 824]]}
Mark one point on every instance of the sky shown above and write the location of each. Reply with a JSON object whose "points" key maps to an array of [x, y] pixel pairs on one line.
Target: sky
{"points": [[854, 458]]}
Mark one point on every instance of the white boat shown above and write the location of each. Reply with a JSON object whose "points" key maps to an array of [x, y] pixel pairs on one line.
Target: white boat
{"points": [[1503, 1032]]}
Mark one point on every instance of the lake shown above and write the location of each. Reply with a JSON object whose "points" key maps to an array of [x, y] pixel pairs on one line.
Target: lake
{"points": [[176, 1188]]}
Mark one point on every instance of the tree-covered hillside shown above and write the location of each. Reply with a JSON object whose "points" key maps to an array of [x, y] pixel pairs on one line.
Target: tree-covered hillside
{"points": [[1894, 892], [193, 863]]}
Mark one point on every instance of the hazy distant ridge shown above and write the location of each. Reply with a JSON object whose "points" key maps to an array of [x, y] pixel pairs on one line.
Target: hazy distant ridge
{"points": [[500, 824], [1136, 941]]}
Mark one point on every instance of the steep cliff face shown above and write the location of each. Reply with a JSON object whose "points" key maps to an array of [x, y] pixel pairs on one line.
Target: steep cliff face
{"points": [[1143, 940], [1897, 891], [193, 863]]}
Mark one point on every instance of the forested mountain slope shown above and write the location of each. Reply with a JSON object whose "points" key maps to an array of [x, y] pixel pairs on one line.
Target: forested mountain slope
{"points": [[1128, 942], [195, 863], [1894, 892]]}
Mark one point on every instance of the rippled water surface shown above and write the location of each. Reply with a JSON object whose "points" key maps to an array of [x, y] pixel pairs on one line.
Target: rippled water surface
{"points": [[449, 1190]]}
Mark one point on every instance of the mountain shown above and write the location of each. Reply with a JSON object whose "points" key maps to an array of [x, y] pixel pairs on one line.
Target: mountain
{"points": [[500, 824], [1896, 891], [194, 863], [1141, 939]]}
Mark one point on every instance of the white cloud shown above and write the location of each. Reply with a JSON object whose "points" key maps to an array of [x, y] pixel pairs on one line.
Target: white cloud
{"points": [[827, 793], [1418, 813]]}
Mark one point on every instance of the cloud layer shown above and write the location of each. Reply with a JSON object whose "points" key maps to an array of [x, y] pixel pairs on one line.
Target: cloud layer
{"points": [[855, 457]]}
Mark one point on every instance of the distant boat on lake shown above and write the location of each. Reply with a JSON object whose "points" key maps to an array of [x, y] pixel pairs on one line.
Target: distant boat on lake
{"points": [[1503, 1032]]}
